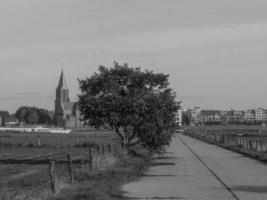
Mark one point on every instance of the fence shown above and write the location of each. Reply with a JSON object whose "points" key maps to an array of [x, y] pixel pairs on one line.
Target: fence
{"points": [[255, 143], [98, 158]]}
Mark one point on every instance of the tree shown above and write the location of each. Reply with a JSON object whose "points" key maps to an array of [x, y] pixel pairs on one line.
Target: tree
{"points": [[33, 115], [4, 115], [138, 105], [185, 119]]}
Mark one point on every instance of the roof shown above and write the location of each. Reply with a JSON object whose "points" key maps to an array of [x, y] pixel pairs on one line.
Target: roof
{"points": [[62, 81]]}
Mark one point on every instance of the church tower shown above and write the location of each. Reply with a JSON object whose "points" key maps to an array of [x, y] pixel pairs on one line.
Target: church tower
{"points": [[67, 113], [62, 91], [62, 97]]}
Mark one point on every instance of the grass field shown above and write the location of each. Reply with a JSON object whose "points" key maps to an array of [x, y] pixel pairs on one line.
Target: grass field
{"points": [[250, 141], [57, 140], [231, 129], [24, 165]]}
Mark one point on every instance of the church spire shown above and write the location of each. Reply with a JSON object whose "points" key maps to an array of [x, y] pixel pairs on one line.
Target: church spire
{"points": [[62, 81], [62, 92]]}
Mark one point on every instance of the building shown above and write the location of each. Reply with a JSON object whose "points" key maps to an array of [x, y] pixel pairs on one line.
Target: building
{"points": [[236, 116], [1, 120], [179, 116], [250, 116], [264, 116], [259, 112], [211, 117], [67, 113], [11, 121], [195, 115]]}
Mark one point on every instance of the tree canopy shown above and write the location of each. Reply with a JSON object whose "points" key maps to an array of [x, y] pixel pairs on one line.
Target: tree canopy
{"points": [[4, 115], [33, 115], [138, 105]]}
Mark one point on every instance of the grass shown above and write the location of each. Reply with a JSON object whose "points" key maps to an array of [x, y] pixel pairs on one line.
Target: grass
{"points": [[81, 138], [230, 129], [106, 185], [39, 148], [20, 180], [249, 132]]}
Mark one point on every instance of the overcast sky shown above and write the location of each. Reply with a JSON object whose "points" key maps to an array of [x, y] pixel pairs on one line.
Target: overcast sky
{"points": [[214, 50]]}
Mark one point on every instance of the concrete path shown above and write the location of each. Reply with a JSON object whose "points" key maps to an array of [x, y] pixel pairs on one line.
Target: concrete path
{"points": [[193, 170]]}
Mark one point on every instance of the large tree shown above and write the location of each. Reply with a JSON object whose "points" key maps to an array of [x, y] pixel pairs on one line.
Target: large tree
{"points": [[4, 115], [138, 105], [33, 115]]}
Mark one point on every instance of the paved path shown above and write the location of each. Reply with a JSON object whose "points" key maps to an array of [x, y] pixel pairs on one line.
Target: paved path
{"points": [[195, 170]]}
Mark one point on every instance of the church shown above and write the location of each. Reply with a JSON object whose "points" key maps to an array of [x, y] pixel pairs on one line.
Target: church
{"points": [[67, 113]]}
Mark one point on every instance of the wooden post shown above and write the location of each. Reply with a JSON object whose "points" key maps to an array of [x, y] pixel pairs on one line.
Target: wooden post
{"points": [[52, 170], [82, 162], [257, 145], [38, 142], [263, 146], [97, 149], [90, 159], [109, 148], [77, 140], [250, 144], [103, 150], [246, 143], [70, 167]]}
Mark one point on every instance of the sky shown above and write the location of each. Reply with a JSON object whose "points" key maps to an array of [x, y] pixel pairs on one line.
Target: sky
{"points": [[215, 51]]}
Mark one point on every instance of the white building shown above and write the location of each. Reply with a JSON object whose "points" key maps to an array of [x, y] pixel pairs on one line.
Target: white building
{"points": [[195, 115], [179, 117], [259, 112]]}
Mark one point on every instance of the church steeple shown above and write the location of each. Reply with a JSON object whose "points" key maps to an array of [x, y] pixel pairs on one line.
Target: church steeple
{"points": [[62, 92], [62, 81]]}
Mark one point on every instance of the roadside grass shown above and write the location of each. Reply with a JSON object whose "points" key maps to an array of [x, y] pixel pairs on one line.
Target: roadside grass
{"points": [[24, 169], [250, 133], [18, 148], [106, 185], [23, 180], [249, 130], [80, 138]]}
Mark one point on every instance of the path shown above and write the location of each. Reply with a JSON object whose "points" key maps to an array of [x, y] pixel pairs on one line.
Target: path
{"points": [[194, 170]]}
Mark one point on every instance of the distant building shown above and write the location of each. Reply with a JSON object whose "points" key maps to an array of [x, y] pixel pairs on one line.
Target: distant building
{"points": [[11, 121], [1, 120], [259, 114], [195, 115], [67, 113], [179, 116], [225, 116], [211, 117], [264, 116], [250, 116], [236, 116]]}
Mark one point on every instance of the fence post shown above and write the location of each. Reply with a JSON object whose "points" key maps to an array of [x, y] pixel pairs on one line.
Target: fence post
{"points": [[52, 169], [250, 144], [38, 142], [263, 146], [109, 148], [82, 162], [70, 167], [77, 140], [103, 150], [90, 159], [97, 149], [246, 143]]}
